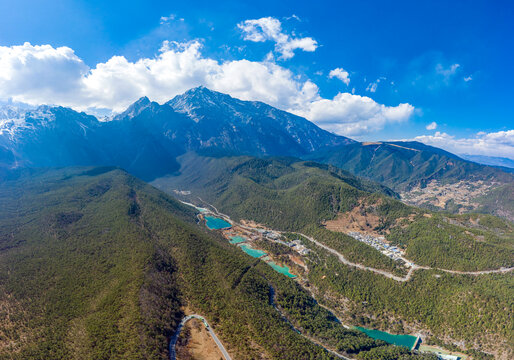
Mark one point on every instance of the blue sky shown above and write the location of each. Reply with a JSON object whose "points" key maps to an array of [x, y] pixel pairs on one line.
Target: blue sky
{"points": [[448, 62]]}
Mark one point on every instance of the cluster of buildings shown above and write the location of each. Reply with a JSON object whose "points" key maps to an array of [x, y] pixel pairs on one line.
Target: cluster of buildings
{"points": [[297, 246], [272, 235], [381, 245]]}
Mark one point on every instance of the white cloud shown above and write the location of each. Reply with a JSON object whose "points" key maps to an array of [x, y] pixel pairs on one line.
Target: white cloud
{"points": [[372, 87], [167, 19], [432, 126], [468, 78], [40, 74], [447, 73], [353, 114], [270, 29], [294, 16], [341, 74], [499, 143], [47, 75]]}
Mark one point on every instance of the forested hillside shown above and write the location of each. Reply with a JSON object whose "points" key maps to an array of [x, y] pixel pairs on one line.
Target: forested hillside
{"points": [[403, 164], [293, 195], [426, 176], [285, 194], [95, 264]]}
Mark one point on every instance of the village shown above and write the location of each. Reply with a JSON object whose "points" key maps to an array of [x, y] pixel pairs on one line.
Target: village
{"points": [[381, 245]]}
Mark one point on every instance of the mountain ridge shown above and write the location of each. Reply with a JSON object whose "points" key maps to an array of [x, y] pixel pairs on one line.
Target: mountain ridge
{"points": [[147, 138], [148, 130]]}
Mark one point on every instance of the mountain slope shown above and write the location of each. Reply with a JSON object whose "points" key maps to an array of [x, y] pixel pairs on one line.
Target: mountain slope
{"points": [[290, 195], [247, 126], [505, 163], [95, 264], [302, 192], [424, 175], [146, 138], [402, 165]]}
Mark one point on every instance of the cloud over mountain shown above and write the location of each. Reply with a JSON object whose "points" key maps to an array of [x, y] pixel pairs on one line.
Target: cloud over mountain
{"points": [[500, 143], [46, 75]]}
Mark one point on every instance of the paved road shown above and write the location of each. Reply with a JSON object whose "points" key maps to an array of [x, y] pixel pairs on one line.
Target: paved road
{"points": [[411, 270], [175, 336], [387, 274], [359, 266]]}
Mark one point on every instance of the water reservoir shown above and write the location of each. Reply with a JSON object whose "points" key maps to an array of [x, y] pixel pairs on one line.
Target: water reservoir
{"points": [[281, 269], [252, 252], [214, 223], [236, 239], [400, 340]]}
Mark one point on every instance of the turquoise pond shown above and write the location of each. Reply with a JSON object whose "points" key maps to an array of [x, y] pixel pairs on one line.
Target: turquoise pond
{"points": [[281, 269], [236, 239], [399, 340], [214, 223], [252, 252]]}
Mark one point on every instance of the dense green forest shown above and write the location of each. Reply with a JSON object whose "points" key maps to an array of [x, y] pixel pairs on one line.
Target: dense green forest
{"points": [[403, 164], [436, 242], [475, 309], [292, 195], [297, 196], [98, 265]]}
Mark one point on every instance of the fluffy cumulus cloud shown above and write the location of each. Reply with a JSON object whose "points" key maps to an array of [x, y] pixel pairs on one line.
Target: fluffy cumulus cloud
{"points": [[431, 126], [499, 143], [38, 74], [48, 75], [354, 115], [270, 29], [340, 74]]}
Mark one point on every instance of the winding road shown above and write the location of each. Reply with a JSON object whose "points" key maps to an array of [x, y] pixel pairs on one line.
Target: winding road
{"points": [[345, 261], [174, 338], [342, 259]]}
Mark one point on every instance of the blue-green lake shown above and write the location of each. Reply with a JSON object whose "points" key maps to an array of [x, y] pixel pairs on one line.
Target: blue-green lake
{"points": [[252, 252], [214, 223], [236, 239], [398, 340], [281, 269]]}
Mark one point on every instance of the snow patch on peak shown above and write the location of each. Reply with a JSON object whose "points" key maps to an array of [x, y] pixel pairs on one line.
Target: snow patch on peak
{"points": [[135, 109], [184, 107], [14, 119]]}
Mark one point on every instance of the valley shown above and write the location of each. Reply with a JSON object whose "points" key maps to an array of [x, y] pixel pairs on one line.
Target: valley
{"points": [[288, 238], [241, 180], [249, 231], [86, 247], [374, 288]]}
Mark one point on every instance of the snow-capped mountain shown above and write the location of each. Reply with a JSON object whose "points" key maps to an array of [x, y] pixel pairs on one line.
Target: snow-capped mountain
{"points": [[249, 125], [147, 137], [45, 136]]}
